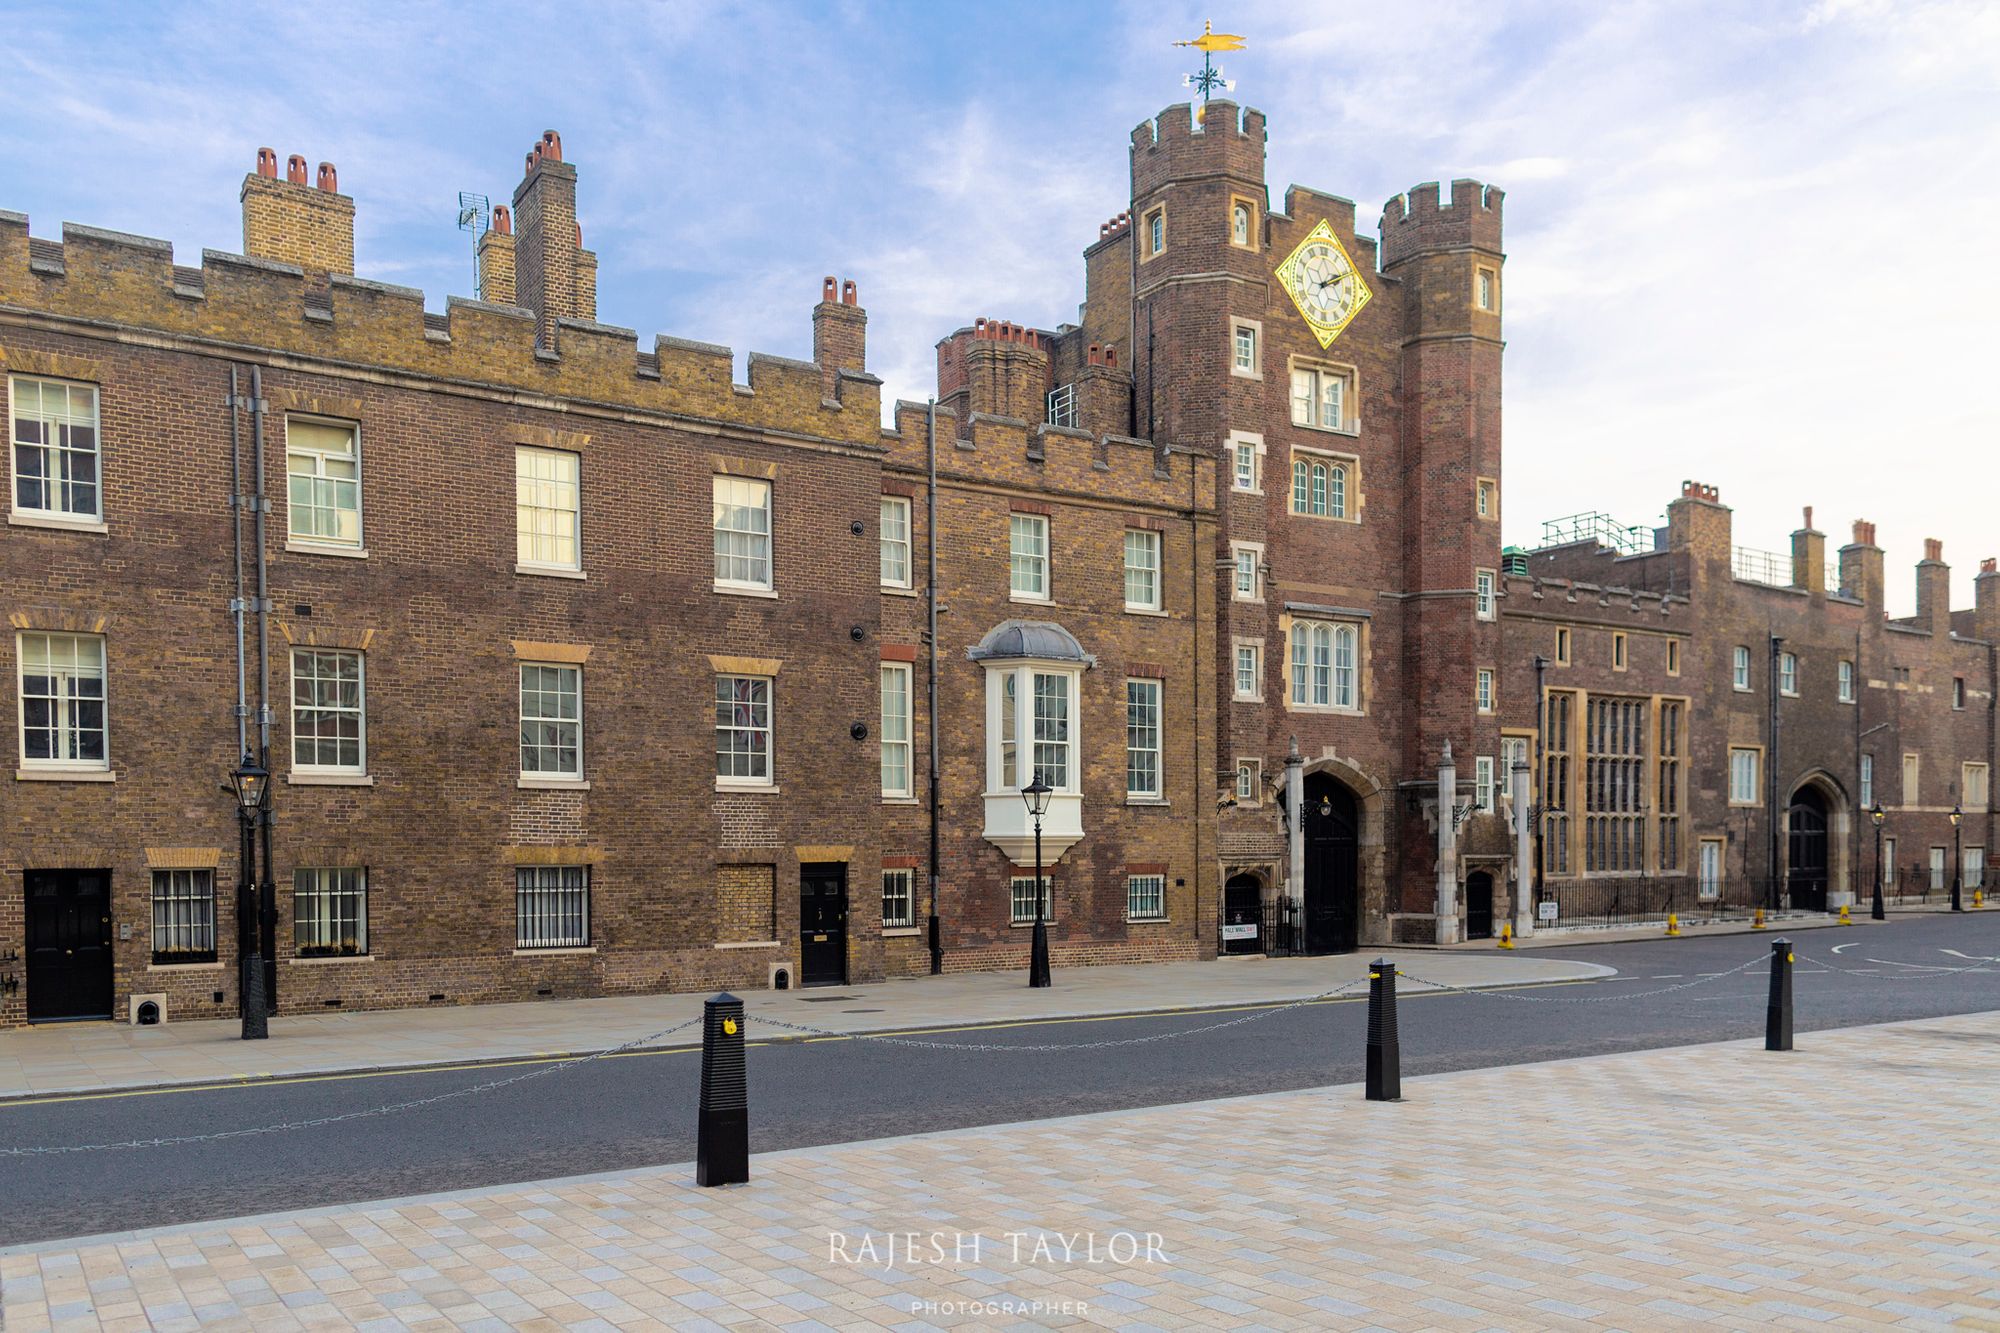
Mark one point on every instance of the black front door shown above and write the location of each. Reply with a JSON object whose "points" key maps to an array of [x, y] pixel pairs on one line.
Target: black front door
{"points": [[1242, 915], [1333, 888], [69, 944], [1479, 906], [1807, 879], [823, 925]]}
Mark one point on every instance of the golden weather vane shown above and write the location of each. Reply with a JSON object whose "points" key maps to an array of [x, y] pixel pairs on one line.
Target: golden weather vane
{"points": [[1210, 79]]}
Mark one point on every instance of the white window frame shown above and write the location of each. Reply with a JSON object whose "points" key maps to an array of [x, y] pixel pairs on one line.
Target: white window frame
{"points": [[1329, 485], [554, 721], [897, 730], [315, 931], [1249, 782], [1486, 289], [1846, 681], [1246, 447], [1484, 796], [543, 915], [1155, 223], [1143, 695], [1342, 693], [1867, 782], [1246, 239], [1788, 675], [1971, 774], [337, 708], [183, 915], [1252, 331], [1255, 552], [65, 703], [1755, 758], [1711, 867], [1021, 898], [1023, 562], [55, 451], [732, 495], [1255, 649], [539, 515], [1913, 776], [1740, 668], [1152, 545], [905, 893], [1314, 375], [318, 477], [1142, 891], [1020, 740], [1482, 689], [1940, 871], [1486, 497], [1973, 867], [1888, 863], [895, 515], [737, 724], [1485, 585]]}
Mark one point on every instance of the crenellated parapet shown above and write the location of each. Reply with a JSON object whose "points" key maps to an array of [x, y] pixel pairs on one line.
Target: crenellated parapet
{"points": [[1418, 221], [1227, 140], [242, 303]]}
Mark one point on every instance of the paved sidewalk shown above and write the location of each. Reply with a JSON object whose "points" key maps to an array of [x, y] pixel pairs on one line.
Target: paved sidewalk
{"points": [[1708, 1185], [82, 1057]]}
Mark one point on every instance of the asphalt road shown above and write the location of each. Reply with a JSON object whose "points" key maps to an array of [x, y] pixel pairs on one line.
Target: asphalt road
{"points": [[639, 1109]]}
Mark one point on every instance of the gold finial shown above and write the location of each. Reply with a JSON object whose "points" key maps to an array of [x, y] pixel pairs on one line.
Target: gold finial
{"points": [[1210, 78]]}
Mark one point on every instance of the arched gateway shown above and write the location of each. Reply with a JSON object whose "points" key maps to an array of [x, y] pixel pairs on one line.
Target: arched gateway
{"points": [[1332, 825], [1806, 878]]}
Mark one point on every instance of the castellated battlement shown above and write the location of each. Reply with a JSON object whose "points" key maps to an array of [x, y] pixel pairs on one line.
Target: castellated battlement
{"points": [[1418, 220], [1174, 145], [99, 278], [1056, 460]]}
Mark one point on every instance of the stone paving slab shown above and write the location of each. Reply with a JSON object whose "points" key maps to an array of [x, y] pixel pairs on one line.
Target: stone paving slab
{"points": [[1850, 1184], [90, 1057]]}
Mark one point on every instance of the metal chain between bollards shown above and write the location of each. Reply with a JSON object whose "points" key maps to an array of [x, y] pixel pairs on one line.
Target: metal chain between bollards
{"points": [[319, 1122], [1500, 993], [1917, 972], [1046, 1047]]}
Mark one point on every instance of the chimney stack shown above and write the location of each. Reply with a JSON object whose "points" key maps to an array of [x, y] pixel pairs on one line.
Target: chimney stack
{"points": [[554, 276], [295, 222], [1986, 601], [1809, 558], [1861, 567], [1934, 588], [840, 333], [496, 259]]}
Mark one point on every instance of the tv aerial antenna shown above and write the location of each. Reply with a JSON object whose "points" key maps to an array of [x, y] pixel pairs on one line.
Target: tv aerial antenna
{"points": [[475, 214], [1210, 79]]}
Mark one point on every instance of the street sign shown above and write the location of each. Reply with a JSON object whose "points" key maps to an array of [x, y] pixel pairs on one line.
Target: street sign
{"points": [[1242, 932], [1546, 910]]}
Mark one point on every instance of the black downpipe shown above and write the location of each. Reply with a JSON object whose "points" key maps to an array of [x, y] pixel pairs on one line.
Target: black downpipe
{"points": [[1771, 895], [267, 905], [931, 612]]}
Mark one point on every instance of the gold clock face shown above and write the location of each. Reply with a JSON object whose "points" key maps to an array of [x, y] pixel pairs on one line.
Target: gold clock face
{"points": [[1323, 283]]}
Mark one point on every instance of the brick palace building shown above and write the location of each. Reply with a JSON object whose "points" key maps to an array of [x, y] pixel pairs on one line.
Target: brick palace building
{"points": [[586, 670]]}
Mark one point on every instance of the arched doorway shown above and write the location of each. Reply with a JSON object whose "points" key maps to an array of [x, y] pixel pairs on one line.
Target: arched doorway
{"points": [[1243, 915], [1806, 879], [1332, 822], [1479, 905]]}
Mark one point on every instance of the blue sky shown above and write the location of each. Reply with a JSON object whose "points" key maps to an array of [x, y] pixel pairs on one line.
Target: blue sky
{"points": [[1748, 243]]}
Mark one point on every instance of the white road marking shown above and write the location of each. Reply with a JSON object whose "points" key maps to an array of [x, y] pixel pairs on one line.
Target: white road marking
{"points": [[1969, 957], [1849, 945]]}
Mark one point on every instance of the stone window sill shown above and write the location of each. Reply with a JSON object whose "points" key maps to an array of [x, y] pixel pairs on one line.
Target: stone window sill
{"points": [[890, 590], [901, 800], [748, 944], [1149, 921], [64, 775], [58, 523], [297, 779], [731, 590], [1158, 802], [330, 959], [552, 784], [747, 788], [1146, 611], [549, 571], [546, 953], [321, 548], [900, 932], [184, 967]]}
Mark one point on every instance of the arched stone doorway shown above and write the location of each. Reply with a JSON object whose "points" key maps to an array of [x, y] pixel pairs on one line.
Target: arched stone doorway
{"points": [[1332, 826], [1243, 914], [1479, 905], [1806, 861]]}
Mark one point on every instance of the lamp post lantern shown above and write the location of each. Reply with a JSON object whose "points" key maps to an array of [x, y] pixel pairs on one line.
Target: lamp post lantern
{"points": [[252, 784], [1957, 863], [1875, 910], [1036, 794]]}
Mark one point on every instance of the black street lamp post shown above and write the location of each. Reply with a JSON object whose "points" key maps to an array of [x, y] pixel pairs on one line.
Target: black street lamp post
{"points": [[252, 785], [1876, 910], [1036, 794], [1957, 863]]}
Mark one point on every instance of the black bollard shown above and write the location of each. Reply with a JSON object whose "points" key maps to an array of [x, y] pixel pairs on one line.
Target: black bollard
{"points": [[722, 1139], [1778, 1014], [1385, 1048]]}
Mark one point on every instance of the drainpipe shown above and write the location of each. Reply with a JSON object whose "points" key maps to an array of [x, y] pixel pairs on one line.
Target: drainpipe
{"points": [[1295, 844], [236, 607], [931, 615], [1204, 806], [1771, 783], [1541, 734]]}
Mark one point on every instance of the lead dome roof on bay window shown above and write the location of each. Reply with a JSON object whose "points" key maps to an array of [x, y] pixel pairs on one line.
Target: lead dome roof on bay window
{"points": [[1039, 640]]}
